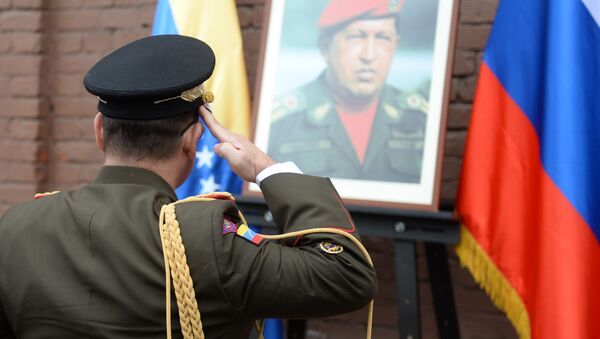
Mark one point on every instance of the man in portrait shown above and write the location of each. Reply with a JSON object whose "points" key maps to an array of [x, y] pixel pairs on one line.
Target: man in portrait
{"points": [[348, 123]]}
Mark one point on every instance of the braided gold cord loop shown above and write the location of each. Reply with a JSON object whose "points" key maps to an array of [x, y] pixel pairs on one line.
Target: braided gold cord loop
{"points": [[176, 263]]}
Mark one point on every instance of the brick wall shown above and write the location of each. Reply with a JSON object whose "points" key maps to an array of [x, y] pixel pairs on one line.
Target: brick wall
{"points": [[46, 134]]}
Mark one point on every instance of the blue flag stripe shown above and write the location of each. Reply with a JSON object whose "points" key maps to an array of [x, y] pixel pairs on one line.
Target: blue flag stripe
{"points": [[555, 84], [163, 19]]}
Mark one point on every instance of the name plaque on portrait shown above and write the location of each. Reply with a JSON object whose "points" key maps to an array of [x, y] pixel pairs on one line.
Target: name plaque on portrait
{"points": [[358, 91]]}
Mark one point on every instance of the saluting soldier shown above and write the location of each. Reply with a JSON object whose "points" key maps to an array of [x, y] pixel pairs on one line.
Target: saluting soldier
{"points": [[348, 123], [89, 263]]}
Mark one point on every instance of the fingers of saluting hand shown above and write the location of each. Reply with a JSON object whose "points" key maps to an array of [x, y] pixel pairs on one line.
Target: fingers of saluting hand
{"points": [[220, 132]]}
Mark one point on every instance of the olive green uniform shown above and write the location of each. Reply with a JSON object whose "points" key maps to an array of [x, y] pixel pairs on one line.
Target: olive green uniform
{"points": [[89, 263], [306, 129]]}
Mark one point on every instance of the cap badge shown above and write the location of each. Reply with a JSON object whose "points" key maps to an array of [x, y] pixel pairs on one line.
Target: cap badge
{"points": [[330, 248], [393, 5], [192, 94]]}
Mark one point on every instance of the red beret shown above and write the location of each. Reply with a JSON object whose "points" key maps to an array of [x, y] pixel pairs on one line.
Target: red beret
{"points": [[338, 11]]}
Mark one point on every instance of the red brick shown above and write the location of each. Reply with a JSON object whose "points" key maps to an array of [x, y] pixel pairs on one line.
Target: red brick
{"points": [[20, 172], [28, 4], [464, 63], [77, 151], [98, 42], [251, 38], [449, 190], [472, 36], [75, 63], [459, 116], [452, 167], [22, 129], [5, 42], [20, 64], [455, 143], [117, 17], [15, 193], [466, 88], [62, 4], [5, 4], [454, 90], [249, 2], [67, 84], [25, 86], [98, 3], [67, 42], [126, 3], [20, 107], [27, 42], [4, 81], [245, 16], [74, 129], [76, 20], [125, 37], [258, 16], [478, 11], [83, 106], [19, 150], [21, 20], [146, 15]]}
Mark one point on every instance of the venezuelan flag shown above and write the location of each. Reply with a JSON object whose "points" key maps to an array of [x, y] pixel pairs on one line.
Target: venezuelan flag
{"points": [[530, 189], [216, 23]]}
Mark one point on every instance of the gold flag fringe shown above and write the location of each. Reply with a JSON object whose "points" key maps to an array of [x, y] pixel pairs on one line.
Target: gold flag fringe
{"points": [[489, 277]]}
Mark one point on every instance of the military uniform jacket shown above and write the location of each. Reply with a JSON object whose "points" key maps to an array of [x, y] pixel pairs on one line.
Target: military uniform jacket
{"points": [[306, 129], [88, 263]]}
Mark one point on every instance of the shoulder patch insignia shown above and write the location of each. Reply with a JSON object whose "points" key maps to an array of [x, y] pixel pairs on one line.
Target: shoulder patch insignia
{"points": [[45, 194], [245, 232], [330, 248], [417, 102], [229, 226]]}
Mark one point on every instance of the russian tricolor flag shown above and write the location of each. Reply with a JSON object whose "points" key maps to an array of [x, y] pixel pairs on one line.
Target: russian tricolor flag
{"points": [[530, 188]]}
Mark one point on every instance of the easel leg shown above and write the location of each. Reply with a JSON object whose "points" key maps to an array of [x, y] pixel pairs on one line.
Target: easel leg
{"points": [[407, 290], [296, 329], [441, 289]]}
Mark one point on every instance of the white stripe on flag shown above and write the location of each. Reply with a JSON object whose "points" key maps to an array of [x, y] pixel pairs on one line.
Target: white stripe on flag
{"points": [[594, 7]]}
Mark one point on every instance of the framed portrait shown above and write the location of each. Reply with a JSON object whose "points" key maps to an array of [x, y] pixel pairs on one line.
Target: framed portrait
{"points": [[357, 91]]}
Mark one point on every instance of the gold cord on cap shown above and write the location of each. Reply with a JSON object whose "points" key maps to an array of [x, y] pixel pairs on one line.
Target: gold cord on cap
{"points": [[192, 94]]}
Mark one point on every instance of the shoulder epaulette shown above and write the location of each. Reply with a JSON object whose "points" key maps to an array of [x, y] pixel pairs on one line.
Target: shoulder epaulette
{"points": [[413, 101], [45, 194], [287, 104]]}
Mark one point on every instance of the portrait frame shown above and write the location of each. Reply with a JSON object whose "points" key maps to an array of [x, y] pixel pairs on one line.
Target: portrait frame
{"points": [[390, 193]]}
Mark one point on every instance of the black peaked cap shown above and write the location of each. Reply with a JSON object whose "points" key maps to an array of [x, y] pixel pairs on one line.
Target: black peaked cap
{"points": [[144, 79]]}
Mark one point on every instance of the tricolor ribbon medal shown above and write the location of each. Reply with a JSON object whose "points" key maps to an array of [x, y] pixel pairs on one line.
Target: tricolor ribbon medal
{"points": [[245, 232]]}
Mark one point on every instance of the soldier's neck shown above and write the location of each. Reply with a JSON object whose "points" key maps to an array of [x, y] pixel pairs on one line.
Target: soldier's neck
{"points": [[167, 169]]}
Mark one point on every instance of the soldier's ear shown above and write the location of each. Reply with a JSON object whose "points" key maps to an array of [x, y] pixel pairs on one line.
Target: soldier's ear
{"points": [[190, 139], [99, 131]]}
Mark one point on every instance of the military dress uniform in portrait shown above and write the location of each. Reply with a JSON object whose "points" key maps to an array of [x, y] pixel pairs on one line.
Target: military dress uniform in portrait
{"points": [[348, 122], [307, 130]]}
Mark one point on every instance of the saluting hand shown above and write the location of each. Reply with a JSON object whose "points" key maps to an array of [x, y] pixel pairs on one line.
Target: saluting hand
{"points": [[245, 159]]}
